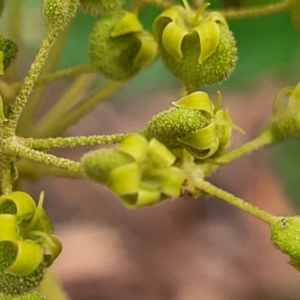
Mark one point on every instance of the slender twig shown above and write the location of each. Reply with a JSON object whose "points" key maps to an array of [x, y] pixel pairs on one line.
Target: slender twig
{"points": [[75, 141], [256, 12], [235, 201]]}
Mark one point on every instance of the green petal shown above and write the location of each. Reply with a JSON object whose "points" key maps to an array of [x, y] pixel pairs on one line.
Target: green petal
{"points": [[134, 145], [209, 35], [172, 37], [24, 203], [147, 198], [173, 182], [204, 138], [28, 258], [197, 100], [125, 179], [9, 227], [159, 151], [173, 13], [147, 52], [129, 23]]}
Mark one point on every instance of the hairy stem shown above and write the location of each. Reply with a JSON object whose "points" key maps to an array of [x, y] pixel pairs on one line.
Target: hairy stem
{"points": [[6, 177], [235, 201], [75, 141], [256, 12], [14, 148], [30, 80], [267, 137]]}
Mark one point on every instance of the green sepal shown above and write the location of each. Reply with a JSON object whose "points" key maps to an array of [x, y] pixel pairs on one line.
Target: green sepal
{"points": [[128, 24], [160, 154], [134, 145], [171, 181], [147, 52], [172, 37], [29, 256], [125, 179], [197, 101], [209, 35]]}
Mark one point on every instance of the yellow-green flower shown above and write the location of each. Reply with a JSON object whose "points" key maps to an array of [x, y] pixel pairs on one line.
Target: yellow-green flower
{"points": [[195, 125], [141, 173], [197, 48], [26, 243]]}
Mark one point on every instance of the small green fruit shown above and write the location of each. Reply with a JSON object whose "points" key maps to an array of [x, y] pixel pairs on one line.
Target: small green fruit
{"points": [[197, 50], [119, 48], [96, 7], [285, 235]]}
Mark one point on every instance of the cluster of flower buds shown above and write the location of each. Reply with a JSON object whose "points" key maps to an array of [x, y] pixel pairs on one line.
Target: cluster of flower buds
{"points": [[196, 47], [119, 47], [27, 246], [195, 125], [141, 173]]}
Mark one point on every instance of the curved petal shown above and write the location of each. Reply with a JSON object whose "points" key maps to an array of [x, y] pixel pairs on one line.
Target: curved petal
{"points": [[146, 53], [8, 227], [173, 13], [24, 203], [160, 152], [197, 100], [172, 182], [28, 258], [125, 179], [129, 23], [147, 197], [218, 18], [201, 139], [172, 37], [209, 35], [53, 248], [134, 145]]}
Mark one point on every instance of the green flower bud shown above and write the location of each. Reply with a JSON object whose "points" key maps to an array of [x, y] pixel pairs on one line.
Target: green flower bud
{"points": [[29, 296], [295, 12], [286, 119], [197, 50], [9, 49], [119, 47], [141, 173], [195, 125], [59, 13], [96, 7], [285, 235], [26, 244]]}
